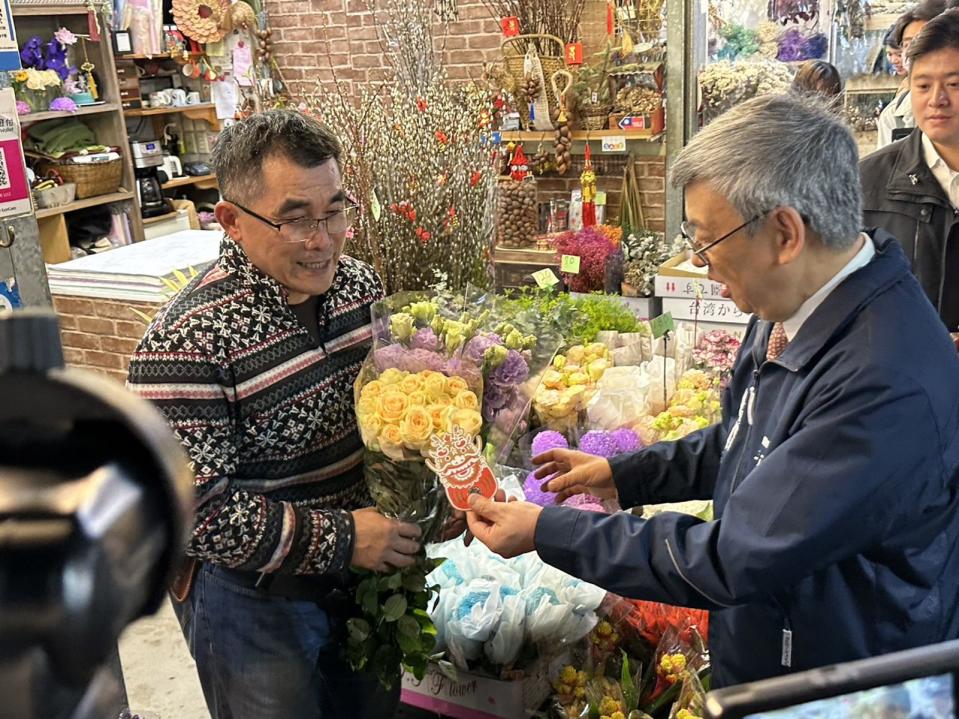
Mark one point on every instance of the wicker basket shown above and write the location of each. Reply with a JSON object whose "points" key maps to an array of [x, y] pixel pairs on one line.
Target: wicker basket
{"points": [[99, 178], [515, 56], [595, 118]]}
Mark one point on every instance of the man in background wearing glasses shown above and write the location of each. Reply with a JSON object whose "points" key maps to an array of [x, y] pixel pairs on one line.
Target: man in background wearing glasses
{"points": [[833, 471], [253, 365]]}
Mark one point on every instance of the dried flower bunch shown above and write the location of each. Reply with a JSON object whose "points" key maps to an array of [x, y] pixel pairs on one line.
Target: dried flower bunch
{"points": [[726, 84], [642, 256], [551, 17], [414, 159]]}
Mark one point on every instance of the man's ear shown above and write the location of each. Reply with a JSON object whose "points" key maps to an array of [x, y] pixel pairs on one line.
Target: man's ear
{"points": [[228, 217], [791, 234]]}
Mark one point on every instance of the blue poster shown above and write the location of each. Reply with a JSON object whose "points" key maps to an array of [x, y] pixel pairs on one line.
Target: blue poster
{"points": [[9, 51], [9, 295]]}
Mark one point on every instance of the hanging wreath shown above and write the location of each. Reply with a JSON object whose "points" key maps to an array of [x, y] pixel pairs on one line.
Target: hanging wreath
{"points": [[201, 20]]}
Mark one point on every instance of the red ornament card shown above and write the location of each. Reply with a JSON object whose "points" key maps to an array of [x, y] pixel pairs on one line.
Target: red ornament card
{"points": [[510, 26], [574, 53], [456, 458]]}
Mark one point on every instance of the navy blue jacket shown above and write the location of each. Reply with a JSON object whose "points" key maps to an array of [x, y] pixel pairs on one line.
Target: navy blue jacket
{"points": [[835, 481]]}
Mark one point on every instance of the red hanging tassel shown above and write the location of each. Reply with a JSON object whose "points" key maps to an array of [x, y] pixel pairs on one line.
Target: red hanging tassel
{"points": [[610, 18]]}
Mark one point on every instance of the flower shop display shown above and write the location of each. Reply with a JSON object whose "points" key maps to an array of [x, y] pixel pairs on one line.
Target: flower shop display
{"points": [[694, 405], [643, 253], [568, 386], [415, 160], [497, 615], [726, 84], [716, 352], [593, 247]]}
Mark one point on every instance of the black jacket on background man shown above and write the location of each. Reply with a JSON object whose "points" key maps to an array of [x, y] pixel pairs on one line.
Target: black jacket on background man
{"points": [[901, 195]]}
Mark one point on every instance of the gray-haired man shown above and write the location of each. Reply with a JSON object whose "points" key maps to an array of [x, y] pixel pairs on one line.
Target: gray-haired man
{"points": [[253, 364], [834, 468]]}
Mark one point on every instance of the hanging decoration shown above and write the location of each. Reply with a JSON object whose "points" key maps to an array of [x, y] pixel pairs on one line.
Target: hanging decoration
{"points": [[87, 69], [588, 181], [536, 84], [201, 20], [562, 82]]}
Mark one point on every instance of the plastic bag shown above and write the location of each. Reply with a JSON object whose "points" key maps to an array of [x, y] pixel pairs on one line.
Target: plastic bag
{"points": [[692, 699], [621, 398], [504, 646]]}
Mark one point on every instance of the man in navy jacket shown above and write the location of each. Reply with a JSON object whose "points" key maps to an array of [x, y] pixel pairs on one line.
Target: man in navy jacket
{"points": [[834, 469]]}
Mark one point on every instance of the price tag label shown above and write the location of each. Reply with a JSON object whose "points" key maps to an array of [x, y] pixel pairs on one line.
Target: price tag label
{"points": [[614, 144], [600, 198], [570, 264], [546, 278], [662, 324]]}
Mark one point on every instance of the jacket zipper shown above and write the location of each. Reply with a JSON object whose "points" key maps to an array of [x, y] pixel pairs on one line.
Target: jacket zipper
{"points": [[749, 397], [786, 648]]}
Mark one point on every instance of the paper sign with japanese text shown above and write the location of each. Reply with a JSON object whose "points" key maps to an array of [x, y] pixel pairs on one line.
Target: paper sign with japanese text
{"points": [[574, 53], [570, 264], [457, 460], [9, 50], [510, 26]]}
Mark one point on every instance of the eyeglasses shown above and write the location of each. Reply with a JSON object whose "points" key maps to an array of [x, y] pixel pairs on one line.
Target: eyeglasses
{"points": [[303, 228], [688, 230]]}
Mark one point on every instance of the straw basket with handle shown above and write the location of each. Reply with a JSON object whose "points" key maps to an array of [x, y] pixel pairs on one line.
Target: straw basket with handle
{"points": [[91, 179], [514, 54]]}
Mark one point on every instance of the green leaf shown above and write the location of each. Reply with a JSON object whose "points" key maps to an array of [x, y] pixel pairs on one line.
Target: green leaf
{"points": [[370, 602], [364, 587], [359, 629], [409, 645], [407, 626], [414, 582], [428, 641], [630, 695], [391, 582], [429, 629], [417, 665], [394, 608]]}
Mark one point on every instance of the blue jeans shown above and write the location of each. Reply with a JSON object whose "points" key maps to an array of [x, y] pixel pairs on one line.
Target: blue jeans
{"points": [[273, 658]]}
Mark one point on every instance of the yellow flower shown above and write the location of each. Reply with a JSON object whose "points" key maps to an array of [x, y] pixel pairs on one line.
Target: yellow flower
{"points": [[469, 419], [390, 434], [370, 428], [366, 407], [455, 385], [434, 384], [576, 354], [373, 389], [466, 400], [392, 376], [392, 405], [416, 428], [20, 76], [411, 383], [440, 414], [401, 326], [418, 398]]}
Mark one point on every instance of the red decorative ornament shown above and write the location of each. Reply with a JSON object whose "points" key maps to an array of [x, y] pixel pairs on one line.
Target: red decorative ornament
{"points": [[510, 26], [574, 53], [423, 235], [475, 177], [610, 18], [519, 165], [588, 181], [421, 104], [442, 137]]}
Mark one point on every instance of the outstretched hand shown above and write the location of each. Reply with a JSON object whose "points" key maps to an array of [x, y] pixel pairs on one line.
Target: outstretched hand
{"points": [[576, 473], [508, 528]]}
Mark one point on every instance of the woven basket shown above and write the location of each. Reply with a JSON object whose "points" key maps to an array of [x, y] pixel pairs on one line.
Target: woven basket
{"points": [[515, 55], [92, 179], [595, 118]]}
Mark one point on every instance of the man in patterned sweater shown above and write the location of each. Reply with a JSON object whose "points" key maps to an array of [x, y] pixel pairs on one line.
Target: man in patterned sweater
{"points": [[253, 365]]}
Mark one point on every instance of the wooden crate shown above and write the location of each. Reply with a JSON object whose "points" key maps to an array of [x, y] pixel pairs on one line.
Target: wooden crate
{"points": [[515, 267]]}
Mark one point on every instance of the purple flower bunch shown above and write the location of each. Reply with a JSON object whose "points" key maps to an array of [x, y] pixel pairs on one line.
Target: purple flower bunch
{"points": [[50, 55]]}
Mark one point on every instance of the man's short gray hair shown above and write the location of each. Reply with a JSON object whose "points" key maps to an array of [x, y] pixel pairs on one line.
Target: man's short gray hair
{"points": [[781, 151], [241, 148]]}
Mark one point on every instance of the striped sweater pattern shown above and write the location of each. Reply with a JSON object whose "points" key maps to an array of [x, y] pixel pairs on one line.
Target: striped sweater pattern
{"points": [[265, 415]]}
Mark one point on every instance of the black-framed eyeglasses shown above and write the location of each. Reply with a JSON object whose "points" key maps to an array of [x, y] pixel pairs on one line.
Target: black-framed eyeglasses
{"points": [[688, 230], [303, 228]]}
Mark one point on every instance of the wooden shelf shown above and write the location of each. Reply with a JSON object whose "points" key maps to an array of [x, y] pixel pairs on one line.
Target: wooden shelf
{"points": [[82, 110], [577, 135], [191, 180], [205, 111], [88, 202], [49, 10], [157, 56]]}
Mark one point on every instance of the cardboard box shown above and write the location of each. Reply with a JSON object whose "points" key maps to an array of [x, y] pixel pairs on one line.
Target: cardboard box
{"points": [[671, 268], [709, 311], [473, 696]]}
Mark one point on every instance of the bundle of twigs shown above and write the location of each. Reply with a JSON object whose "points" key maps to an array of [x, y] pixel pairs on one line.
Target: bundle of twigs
{"points": [[551, 17]]}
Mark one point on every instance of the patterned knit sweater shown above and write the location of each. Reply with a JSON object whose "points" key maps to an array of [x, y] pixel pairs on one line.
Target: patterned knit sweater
{"points": [[265, 415]]}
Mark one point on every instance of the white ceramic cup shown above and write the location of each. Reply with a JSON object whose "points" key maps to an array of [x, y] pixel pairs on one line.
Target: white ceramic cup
{"points": [[193, 98], [178, 97]]}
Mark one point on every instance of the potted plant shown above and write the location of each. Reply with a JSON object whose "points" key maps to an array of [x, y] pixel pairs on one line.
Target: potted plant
{"points": [[593, 93]]}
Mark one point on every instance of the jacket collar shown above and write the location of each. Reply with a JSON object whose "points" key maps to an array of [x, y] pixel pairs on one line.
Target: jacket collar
{"points": [[843, 304], [233, 260], [911, 174]]}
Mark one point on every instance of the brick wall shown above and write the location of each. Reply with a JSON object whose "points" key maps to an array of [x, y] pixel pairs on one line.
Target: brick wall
{"points": [[100, 335], [315, 38]]}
